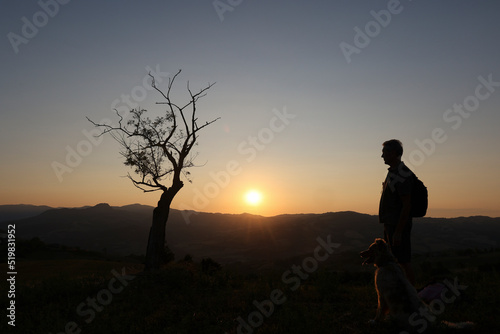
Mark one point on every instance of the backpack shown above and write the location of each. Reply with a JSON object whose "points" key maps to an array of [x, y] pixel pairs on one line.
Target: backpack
{"points": [[419, 198]]}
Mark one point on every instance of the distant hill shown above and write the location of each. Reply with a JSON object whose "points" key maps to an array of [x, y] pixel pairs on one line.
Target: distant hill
{"points": [[13, 212], [97, 228], [231, 238]]}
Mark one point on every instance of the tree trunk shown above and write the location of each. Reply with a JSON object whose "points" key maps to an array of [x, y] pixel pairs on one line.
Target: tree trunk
{"points": [[155, 253], [156, 242]]}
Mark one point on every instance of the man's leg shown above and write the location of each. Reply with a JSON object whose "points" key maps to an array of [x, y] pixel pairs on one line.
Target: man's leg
{"points": [[402, 252], [408, 269]]}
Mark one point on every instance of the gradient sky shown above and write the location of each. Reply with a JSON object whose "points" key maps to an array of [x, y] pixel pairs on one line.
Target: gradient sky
{"points": [[347, 75]]}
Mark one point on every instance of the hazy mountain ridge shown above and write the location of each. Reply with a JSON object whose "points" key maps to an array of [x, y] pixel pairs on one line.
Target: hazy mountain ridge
{"points": [[240, 237], [19, 211]]}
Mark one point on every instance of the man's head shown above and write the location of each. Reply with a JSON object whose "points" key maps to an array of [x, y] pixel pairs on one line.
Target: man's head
{"points": [[392, 151]]}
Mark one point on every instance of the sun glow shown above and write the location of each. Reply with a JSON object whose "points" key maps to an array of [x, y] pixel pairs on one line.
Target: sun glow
{"points": [[253, 197]]}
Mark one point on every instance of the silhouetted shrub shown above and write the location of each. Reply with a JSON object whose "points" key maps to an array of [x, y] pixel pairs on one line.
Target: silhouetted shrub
{"points": [[168, 255], [188, 258], [209, 266]]}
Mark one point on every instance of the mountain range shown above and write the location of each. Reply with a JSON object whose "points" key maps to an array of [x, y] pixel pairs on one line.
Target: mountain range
{"points": [[230, 238]]}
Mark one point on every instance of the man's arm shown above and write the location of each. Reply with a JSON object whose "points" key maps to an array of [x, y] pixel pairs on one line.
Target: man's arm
{"points": [[403, 219]]}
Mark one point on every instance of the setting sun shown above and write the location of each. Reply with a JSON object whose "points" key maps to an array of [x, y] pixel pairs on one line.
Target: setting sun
{"points": [[253, 197]]}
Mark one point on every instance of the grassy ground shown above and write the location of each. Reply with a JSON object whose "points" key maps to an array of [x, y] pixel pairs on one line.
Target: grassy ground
{"points": [[88, 296]]}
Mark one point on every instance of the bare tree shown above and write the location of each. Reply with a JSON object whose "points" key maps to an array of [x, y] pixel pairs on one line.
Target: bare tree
{"points": [[159, 151]]}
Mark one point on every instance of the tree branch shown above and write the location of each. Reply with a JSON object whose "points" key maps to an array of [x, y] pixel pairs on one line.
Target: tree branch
{"points": [[146, 143]]}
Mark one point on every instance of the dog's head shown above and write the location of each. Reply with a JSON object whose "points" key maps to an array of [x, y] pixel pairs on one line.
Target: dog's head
{"points": [[378, 253]]}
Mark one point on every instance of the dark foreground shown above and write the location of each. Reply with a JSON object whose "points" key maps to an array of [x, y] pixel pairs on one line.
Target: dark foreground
{"points": [[102, 296]]}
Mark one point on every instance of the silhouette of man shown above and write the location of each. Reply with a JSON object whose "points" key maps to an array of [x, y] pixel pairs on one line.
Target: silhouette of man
{"points": [[395, 206]]}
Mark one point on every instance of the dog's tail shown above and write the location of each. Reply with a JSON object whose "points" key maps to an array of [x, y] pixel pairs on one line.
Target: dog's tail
{"points": [[458, 325]]}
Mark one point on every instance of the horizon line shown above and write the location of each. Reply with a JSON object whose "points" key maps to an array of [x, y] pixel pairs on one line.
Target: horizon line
{"points": [[248, 213]]}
